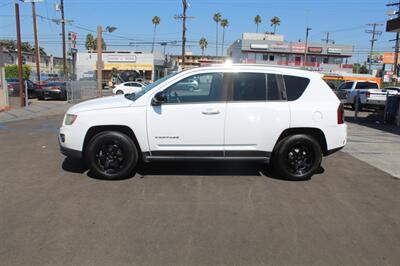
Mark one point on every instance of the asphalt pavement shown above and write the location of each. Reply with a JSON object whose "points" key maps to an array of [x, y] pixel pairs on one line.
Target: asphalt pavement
{"points": [[52, 212]]}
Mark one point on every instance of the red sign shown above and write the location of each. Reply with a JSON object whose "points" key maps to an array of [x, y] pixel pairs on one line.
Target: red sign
{"points": [[315, 50]]}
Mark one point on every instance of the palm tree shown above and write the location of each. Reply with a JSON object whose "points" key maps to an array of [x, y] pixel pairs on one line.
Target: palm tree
{"points": [[203, 45], [257, 20], [156, 20], [224, 24], [275, 21], [217, 18]]}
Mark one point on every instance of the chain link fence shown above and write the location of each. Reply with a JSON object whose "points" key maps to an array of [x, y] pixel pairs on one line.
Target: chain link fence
{"points": [[81, 90]]}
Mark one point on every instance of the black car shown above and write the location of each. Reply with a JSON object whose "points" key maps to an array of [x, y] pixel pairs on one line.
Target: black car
{"points": [[52, 90], [13, 87]]}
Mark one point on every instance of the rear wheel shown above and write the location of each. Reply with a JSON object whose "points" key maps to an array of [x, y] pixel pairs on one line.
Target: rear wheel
{"points": [[297, 157], [111, 155], [119, 92]]}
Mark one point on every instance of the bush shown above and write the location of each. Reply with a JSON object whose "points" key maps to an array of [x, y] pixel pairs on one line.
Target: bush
{"points": [[12, 71]]}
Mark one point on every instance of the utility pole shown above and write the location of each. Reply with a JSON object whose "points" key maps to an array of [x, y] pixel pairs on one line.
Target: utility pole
{"points": [[19, 52], [63, 40], [37, 48], [326, 39], [183, 17], [396, 48], [184, 31], [374, 33], [100, 60], [306, 47]]}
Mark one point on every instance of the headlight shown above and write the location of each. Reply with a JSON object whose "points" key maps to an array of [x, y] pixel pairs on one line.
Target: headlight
{"points": [[70, 119]]}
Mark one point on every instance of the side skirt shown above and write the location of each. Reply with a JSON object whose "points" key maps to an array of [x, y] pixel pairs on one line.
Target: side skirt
{"points": [[256, 156]]}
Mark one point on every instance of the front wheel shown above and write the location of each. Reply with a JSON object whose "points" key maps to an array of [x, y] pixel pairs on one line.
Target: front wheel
{"points": [[111, 155], [119, 92], [297, 157]]}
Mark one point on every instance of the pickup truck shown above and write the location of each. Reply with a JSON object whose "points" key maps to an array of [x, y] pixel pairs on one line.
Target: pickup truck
{"points": [[370, 95]]}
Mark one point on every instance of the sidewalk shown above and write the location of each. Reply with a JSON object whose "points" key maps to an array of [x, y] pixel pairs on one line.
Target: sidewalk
{"points": [[375, 144], [35, 109]]}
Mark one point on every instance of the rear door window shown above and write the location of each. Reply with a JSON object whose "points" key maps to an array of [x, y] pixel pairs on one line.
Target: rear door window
{"points": [[249, 87], [295, 86], [366, 85]]}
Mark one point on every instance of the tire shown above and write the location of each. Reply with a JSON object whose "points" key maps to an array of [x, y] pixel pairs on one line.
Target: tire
{"points": [[111, 155], [297, 157], [119, 92]]}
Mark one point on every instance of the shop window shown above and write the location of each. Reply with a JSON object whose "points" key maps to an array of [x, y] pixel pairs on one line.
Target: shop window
{"points": [[271, 58], [265, 57]]}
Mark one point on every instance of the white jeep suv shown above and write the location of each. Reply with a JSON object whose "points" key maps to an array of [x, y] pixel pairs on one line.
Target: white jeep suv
{"points": [[288, 117]]}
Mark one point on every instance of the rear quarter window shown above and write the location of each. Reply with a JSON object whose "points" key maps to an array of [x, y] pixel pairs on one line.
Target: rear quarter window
{"points": [[295, 86]]}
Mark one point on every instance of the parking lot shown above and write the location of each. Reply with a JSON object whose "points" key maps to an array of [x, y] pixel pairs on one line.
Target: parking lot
{"points": [[53, 212]]}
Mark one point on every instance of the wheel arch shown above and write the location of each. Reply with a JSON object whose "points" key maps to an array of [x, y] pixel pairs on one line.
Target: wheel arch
{"points": [[317, 133], [117, 128]]}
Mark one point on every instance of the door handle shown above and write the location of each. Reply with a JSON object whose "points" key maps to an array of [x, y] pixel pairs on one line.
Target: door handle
{"points": [[210, 112]]}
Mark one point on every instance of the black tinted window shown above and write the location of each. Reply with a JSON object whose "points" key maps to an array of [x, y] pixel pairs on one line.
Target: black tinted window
{"points": [[273, 88], [295, 86], [346, 86], [197, 88], [366, 85], [249, 87]]}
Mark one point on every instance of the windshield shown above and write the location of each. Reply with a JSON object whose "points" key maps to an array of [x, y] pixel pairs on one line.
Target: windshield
{"points": [[135, 96]]}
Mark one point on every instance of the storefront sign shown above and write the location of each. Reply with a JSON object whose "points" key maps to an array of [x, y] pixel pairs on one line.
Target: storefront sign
{"points": [[315, 50], [120, 58], [298, 48], [259, 46], [388, 58], [279, 46], [334, 51]]}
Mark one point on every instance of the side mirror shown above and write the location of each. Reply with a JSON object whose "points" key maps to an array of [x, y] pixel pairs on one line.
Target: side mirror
{"points": [[159, 98]]}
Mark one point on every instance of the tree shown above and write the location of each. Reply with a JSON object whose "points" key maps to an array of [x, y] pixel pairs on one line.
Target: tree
{"points": [[217, 18], [258, 21], [103, 44], [156, 21], [275, 21], [224, 24], [12, 71], [26, 46], [203, 45], [90, 44]]}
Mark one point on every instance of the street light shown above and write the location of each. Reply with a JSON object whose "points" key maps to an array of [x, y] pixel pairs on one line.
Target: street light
{"points": [[100, 56]]}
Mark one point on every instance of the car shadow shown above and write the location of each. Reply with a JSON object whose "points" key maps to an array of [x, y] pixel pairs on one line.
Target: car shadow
{"points": [[181, 168], [374, 124]]}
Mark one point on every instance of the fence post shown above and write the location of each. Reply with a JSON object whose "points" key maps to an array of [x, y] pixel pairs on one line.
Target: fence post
{"points": [[356, 105], [386, 106], [26, 93]]}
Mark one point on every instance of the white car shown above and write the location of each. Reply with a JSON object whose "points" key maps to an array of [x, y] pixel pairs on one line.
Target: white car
{"points": [[367, 93], [128, 87], [288, 117]]}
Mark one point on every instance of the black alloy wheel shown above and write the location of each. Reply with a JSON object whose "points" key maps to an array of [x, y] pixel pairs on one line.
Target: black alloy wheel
{"points": [[297, 157], [111, 155]]}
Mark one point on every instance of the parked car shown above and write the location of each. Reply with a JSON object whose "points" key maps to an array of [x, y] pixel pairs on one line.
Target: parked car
{"points": [[13, 87], [128, 87], [370, 95], [287, 117], [391, 90], [53, 90]]}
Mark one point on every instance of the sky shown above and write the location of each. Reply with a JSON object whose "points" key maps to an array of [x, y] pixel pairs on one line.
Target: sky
{"points": [[345, 19]]}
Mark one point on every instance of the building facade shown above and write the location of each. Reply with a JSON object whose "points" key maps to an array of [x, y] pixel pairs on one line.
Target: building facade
{"points": [[260, 48], [48, 64], [151, 66]]}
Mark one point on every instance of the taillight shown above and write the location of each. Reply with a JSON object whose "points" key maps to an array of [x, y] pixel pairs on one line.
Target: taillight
{"points": [[367, 94], [340, 114]]}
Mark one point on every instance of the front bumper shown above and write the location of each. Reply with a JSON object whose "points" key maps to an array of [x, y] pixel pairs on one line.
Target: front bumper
{"points": [[70, 152]]}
